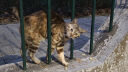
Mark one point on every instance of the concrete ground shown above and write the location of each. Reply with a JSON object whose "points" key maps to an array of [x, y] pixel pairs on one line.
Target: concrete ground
{"points": [[10, 42]]}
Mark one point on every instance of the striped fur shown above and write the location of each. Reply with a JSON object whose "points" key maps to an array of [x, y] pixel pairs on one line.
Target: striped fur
{"points": [[36, 31]]}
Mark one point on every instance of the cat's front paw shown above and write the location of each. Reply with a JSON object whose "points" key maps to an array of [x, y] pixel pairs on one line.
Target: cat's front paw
{"points": [[66, 64], [37, 61]]}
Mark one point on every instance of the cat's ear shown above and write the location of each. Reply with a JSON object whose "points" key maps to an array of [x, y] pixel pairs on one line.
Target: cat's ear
{"points": [[74, 21], [82, 30]]}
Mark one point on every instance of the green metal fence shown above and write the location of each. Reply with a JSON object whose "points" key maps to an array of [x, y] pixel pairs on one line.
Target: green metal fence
{"points": [[72, 42], [92, 25], [49, 29], [112, 14], [22, 35]]}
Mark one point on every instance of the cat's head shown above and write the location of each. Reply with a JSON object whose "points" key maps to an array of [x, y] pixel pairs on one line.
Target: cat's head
{"points": [[73, 30]]}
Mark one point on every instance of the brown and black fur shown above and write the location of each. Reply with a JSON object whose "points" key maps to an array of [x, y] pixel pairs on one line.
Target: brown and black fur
{"points": [[36, 31]]}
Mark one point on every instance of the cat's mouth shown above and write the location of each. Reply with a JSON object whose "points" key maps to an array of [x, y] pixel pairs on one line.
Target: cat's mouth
{"points": [[74, 36]]}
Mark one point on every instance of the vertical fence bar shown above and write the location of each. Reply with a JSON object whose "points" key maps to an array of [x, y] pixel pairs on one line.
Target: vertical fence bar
{"points": [[112, 15], [126, 3], [92, 25], [72, 42], [116, 3], [22, 35], [49, 31], [120, 3]]}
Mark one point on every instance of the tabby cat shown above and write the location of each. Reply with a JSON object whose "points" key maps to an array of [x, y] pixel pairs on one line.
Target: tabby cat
{"points": [[36, 31]]}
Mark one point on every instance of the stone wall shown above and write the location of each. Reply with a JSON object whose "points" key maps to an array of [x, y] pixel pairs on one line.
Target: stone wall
{"points": [[117, 61], [112, 51]]}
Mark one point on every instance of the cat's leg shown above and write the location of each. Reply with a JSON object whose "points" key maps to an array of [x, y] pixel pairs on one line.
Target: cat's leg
{"points": [[61, 57], [32, 50], [33, 41]]}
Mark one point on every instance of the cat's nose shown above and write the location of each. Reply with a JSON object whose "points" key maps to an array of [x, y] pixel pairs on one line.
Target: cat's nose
{"points": [[78, 36]]}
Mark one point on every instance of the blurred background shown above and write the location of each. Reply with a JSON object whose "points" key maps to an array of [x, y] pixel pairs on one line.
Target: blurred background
{"points": [[9, 8]]}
